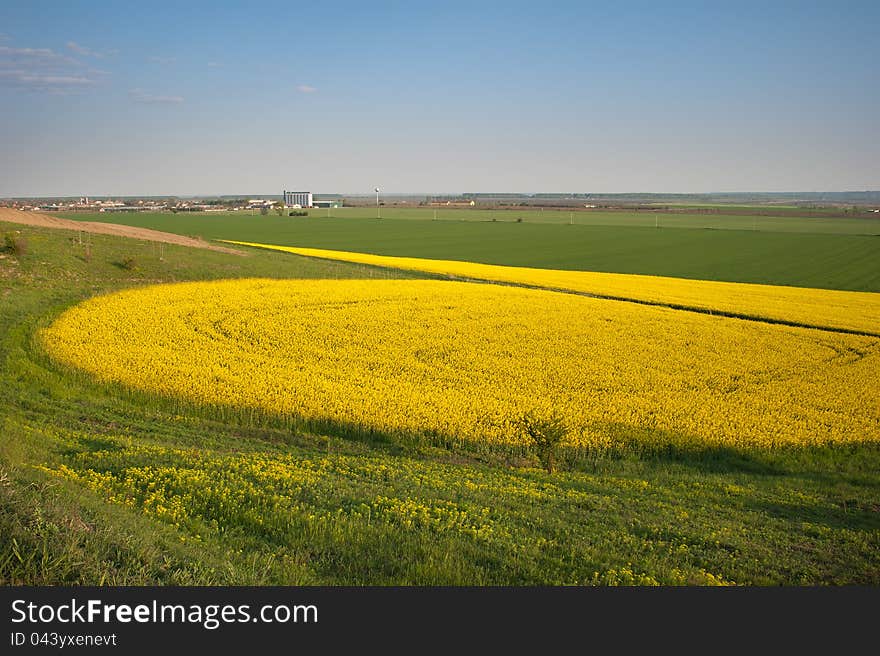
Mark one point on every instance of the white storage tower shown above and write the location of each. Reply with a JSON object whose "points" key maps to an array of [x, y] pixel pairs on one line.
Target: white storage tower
{"points": [[301, 198]]}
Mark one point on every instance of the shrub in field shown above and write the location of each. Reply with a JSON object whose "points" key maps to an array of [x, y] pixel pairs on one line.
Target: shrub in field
{"points": [[545, 434], [129, 264], [16, 244], [298, 213]]}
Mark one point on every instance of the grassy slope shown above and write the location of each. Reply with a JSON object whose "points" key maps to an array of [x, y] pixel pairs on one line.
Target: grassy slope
{"points": [[803, 259], [802, 516]]}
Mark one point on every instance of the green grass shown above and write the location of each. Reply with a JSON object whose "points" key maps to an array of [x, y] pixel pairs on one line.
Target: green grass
{"points": [[789, 210], [347, 511], [802, 259], [749, 219]]}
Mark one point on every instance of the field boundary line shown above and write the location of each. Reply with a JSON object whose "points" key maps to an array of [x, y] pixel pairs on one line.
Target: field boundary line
{"points": [[727, 314]]}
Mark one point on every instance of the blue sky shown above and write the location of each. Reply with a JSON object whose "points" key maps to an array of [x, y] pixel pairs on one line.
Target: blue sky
{"points": [[118, 98]]}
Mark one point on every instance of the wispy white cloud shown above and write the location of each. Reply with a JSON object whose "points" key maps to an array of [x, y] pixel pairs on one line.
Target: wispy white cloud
{"points": [[163, 60], [73, 46], [214, 64], [42, 56], [141, 96], [305, 88], [82, 50], [54, 84], [47, 80], [43, 69]]}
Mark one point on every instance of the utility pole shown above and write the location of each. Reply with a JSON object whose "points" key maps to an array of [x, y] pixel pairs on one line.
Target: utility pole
{"points": [[378, 211]]}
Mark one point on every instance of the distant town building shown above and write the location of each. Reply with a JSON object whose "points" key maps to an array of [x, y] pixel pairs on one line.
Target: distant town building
{"points": [[330, 204], [452, 203], [298, 198]]}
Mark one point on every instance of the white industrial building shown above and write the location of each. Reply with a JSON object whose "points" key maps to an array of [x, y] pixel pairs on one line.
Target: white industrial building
{"points": [[298, 198]]}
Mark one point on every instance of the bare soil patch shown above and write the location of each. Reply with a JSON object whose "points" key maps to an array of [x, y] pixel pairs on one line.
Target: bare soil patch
{"points": [[45, 221]]}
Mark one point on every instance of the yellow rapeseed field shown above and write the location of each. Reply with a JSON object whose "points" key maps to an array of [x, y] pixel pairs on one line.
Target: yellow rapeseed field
{"points": [[461, 361], [856, 311]]}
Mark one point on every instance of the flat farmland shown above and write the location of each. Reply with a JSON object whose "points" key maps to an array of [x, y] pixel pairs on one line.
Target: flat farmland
{"points": [[717, 218], [174, 415], [822, 253]]}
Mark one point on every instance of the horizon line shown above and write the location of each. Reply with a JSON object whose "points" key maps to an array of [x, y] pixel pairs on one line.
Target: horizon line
{"points": [[458, 193]]}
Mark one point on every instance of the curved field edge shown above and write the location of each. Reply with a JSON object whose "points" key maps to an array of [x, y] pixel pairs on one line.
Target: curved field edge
{"points": [[457, 363], [788, 516], [829, 261], [845, 311]]}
